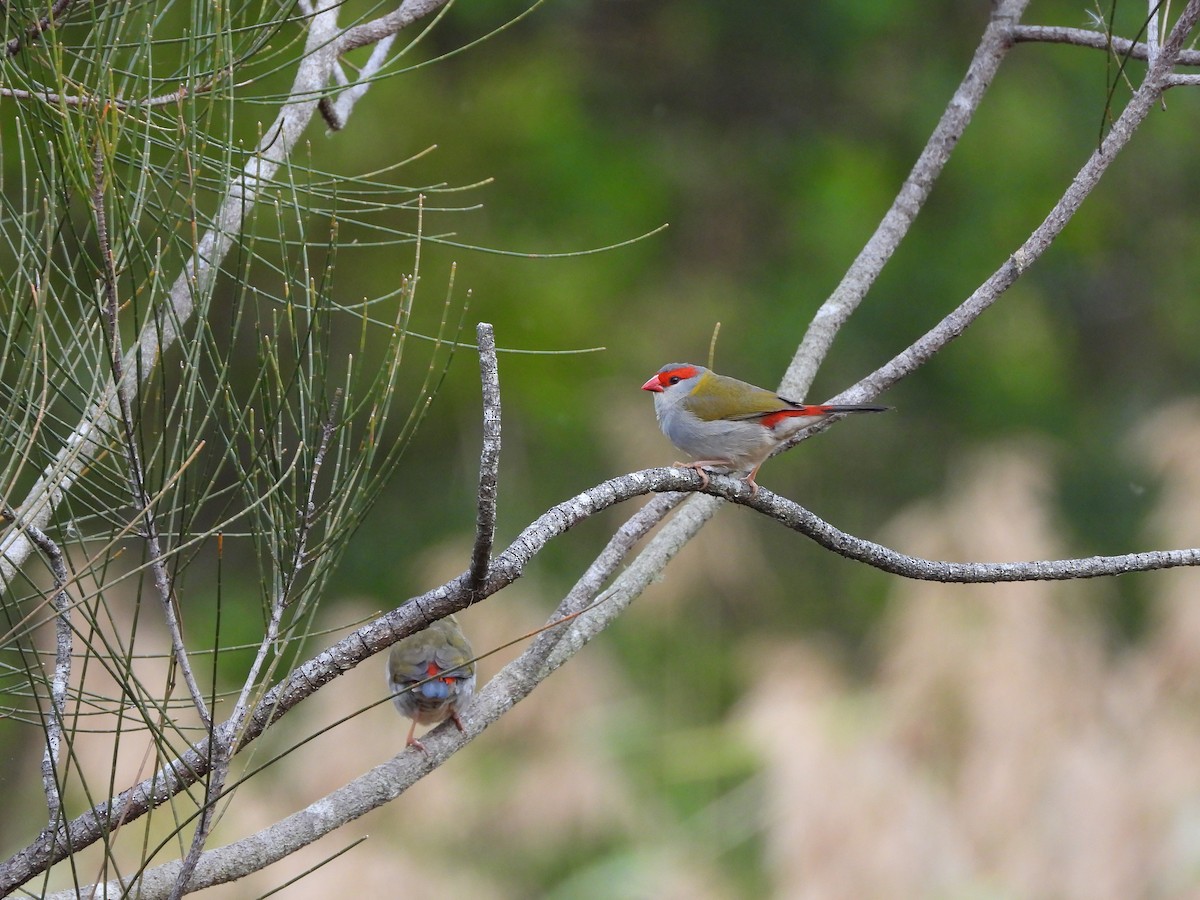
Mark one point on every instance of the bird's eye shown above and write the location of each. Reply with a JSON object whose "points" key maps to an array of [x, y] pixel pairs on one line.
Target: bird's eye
{"points": [[674, 379]]}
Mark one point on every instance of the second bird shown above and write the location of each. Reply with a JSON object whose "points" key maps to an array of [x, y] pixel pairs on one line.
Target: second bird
{"points": [[431, 675], [728, 424]]}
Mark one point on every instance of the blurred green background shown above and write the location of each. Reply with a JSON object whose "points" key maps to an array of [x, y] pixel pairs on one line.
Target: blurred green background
{"points": [[771, 138]]}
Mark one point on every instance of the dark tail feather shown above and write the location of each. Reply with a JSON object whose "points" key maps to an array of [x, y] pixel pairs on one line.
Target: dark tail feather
{"points": [[852, 408]]}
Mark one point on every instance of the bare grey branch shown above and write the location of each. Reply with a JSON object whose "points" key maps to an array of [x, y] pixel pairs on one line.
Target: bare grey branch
{"points": [[489, 458], [1097, 40]]}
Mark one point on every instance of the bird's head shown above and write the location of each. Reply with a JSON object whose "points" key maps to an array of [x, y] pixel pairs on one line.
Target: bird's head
{"points": [[675, 378]]}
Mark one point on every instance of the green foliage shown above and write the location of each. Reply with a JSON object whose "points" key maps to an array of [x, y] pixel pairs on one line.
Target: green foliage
{"points": [[223, 423]]}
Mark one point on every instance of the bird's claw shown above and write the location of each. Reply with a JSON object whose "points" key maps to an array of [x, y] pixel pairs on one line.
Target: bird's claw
{"points": [[413, 742], [698, 468]]}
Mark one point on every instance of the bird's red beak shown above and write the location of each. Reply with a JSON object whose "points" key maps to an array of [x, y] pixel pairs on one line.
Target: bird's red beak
{"points": [[653, 385]]}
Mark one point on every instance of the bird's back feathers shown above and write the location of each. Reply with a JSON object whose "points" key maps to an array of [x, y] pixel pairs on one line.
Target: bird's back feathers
{"points": [[721, 397]]}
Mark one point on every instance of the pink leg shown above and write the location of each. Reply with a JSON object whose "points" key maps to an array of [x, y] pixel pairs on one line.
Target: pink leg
{"points": [[411, 741], [750, 480]]}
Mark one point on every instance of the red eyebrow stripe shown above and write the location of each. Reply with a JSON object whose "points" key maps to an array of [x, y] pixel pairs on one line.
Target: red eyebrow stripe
{"points": [[684, 372]]}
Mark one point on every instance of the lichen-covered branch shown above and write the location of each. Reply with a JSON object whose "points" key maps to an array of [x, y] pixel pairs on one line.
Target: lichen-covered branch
{"points": [[489, 457]]}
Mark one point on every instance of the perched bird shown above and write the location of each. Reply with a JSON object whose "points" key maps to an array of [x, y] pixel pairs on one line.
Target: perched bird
{"points": [[431, 676], [728, 424]]}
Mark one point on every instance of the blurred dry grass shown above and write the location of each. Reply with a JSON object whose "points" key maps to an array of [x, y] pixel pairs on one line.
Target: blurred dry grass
{"points": [[1002, 748]]}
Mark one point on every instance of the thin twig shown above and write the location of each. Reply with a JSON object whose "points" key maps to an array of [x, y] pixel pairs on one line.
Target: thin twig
{"points": [[797, 518], [49, 96], [38, 28], [308, 517], [222, 750], [136, 472], [52, 722], [176, 96], [1096, 40], [336, 110], [489, 457], [567, 641], [389, 24], [1152, 28]]}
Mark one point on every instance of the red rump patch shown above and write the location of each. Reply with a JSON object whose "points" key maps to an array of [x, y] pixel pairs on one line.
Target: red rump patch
{"points": [[433, 669], [773, 419]]}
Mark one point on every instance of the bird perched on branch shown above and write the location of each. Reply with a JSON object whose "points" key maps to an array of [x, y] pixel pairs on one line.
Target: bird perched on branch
{"points": [[431, 675], [728, 424]]}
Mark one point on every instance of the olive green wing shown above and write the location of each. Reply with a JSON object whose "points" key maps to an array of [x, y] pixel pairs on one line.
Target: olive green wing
{"points": [[718, 397]]}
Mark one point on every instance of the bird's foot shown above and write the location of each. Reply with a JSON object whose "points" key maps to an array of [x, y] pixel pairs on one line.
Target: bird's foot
{"points": [[749, 479], [457, 722], [699, 471], [701, 464], [413, 742]]}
